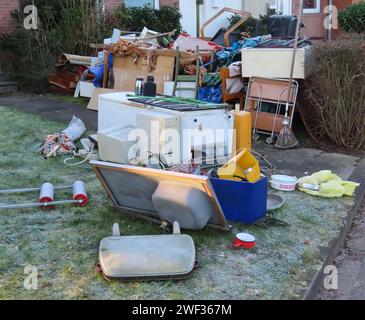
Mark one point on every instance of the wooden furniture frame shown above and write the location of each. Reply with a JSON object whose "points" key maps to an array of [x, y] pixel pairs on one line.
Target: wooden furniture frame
{"points": [[273, 91], [245, 15], [224, 72]]}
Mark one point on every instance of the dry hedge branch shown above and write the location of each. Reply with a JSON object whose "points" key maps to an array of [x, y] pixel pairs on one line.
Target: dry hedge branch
{"points": [[335, 92]]}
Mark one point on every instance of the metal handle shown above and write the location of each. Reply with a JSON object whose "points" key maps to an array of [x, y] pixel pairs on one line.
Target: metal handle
{"points": [[39, 204]]}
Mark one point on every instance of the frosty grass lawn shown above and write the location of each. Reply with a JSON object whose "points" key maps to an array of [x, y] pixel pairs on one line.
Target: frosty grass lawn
{"points": [[63, 243]]}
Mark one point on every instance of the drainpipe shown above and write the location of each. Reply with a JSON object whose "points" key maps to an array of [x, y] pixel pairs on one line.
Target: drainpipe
{"points": [[198, 3], [330, 20]]}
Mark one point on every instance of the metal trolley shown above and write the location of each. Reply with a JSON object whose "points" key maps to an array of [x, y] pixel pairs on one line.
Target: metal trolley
{"points": [[273, 91]]}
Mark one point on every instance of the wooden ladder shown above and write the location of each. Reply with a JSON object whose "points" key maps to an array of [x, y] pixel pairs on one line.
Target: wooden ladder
{"points": [[186, 78]]}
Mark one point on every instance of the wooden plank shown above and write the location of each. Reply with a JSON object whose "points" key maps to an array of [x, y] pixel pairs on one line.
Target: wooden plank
{"points": [[125, 72], [67, 75], [271, 90], [265, 121], [106, 69], [60, 82]]}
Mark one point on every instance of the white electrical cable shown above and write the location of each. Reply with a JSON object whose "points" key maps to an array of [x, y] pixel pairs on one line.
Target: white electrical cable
{"points": [[267, 170], [78, 155]]}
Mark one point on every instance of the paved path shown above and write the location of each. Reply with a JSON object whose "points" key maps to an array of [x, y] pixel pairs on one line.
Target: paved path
{"points": [[351, 265], [50, 108]]}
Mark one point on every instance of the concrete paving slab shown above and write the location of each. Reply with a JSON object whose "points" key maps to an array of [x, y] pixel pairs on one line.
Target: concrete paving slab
{"points": [[303, 161], [357, 244], [347, 278], [351, 265]]}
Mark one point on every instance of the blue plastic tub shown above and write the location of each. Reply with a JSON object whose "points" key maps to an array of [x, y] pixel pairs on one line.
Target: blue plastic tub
{"points": [[242, 201]]}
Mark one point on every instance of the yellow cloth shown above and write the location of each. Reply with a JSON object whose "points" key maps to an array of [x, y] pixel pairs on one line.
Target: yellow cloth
{"points": [[331, 185]]}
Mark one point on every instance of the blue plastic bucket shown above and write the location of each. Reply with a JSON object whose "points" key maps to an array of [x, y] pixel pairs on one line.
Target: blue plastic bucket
{"points": [[243, 202]]}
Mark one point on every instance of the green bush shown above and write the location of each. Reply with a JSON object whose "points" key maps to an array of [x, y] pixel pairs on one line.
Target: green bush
{"points": [[335, 93], [249, 26], [70, 26], [252, 25], [64, 26], [136, 18], [352, 19]]}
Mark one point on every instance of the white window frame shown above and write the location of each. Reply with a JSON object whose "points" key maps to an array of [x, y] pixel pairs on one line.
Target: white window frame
{"points": [[156, 4], [282, 6], [315, 10]]}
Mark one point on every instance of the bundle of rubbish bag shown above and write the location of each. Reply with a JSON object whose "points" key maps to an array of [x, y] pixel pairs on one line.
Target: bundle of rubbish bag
{"points": [[63, 143], [330, 185]]}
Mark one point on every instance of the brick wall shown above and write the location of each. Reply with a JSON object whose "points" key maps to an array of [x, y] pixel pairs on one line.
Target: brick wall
{"points": [[255, 7], [341, 5], [112, 4], [169, 3], [314, 23], [6, 7]]}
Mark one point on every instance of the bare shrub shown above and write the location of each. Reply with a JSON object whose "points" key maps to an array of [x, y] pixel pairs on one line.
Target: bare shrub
{"points": [[335, 92]]}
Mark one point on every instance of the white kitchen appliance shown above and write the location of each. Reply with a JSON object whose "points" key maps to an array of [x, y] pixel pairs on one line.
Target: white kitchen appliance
{"points": [[114, 144], [203, 129], [160, 129]]}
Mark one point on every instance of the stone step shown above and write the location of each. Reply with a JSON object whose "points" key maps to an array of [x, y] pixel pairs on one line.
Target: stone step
{"points": [[4, 77], [8, 87]]}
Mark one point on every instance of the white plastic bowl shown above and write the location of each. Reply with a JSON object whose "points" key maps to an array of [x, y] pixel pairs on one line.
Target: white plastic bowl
{"points": [[283, 183]]}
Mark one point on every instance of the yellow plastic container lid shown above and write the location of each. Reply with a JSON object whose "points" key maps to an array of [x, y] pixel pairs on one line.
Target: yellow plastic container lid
{"points": [[244, 166]]}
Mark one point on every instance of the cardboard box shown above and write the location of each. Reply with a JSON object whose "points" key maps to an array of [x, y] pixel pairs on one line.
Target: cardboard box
{"points": [[86, 89], [276, 62], [125, 72]]}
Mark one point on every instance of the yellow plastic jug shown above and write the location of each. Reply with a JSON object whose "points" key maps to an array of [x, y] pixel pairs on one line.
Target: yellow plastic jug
{"points": [[244, 166], [243, 127]]}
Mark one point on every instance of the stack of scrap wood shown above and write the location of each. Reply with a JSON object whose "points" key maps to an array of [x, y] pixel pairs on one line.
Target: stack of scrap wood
{"points": [[140, 59], [68, 73]]}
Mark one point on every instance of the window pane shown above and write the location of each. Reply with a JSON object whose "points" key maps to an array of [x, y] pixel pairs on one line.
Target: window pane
{"points": [[311, 4], [139, 3], [272, 4]]}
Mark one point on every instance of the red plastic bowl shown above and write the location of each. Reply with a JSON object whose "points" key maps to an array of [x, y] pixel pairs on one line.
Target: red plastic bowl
{"points": [[244, 240]]}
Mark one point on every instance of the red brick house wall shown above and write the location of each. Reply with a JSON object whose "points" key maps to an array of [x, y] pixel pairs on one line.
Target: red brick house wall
{"points": [[169, 3], [341, 5], [314, 22], [6, 7], [112, 4]]}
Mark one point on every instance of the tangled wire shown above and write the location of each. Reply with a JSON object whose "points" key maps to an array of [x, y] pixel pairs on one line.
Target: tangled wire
{"points": [[57, 144]]}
